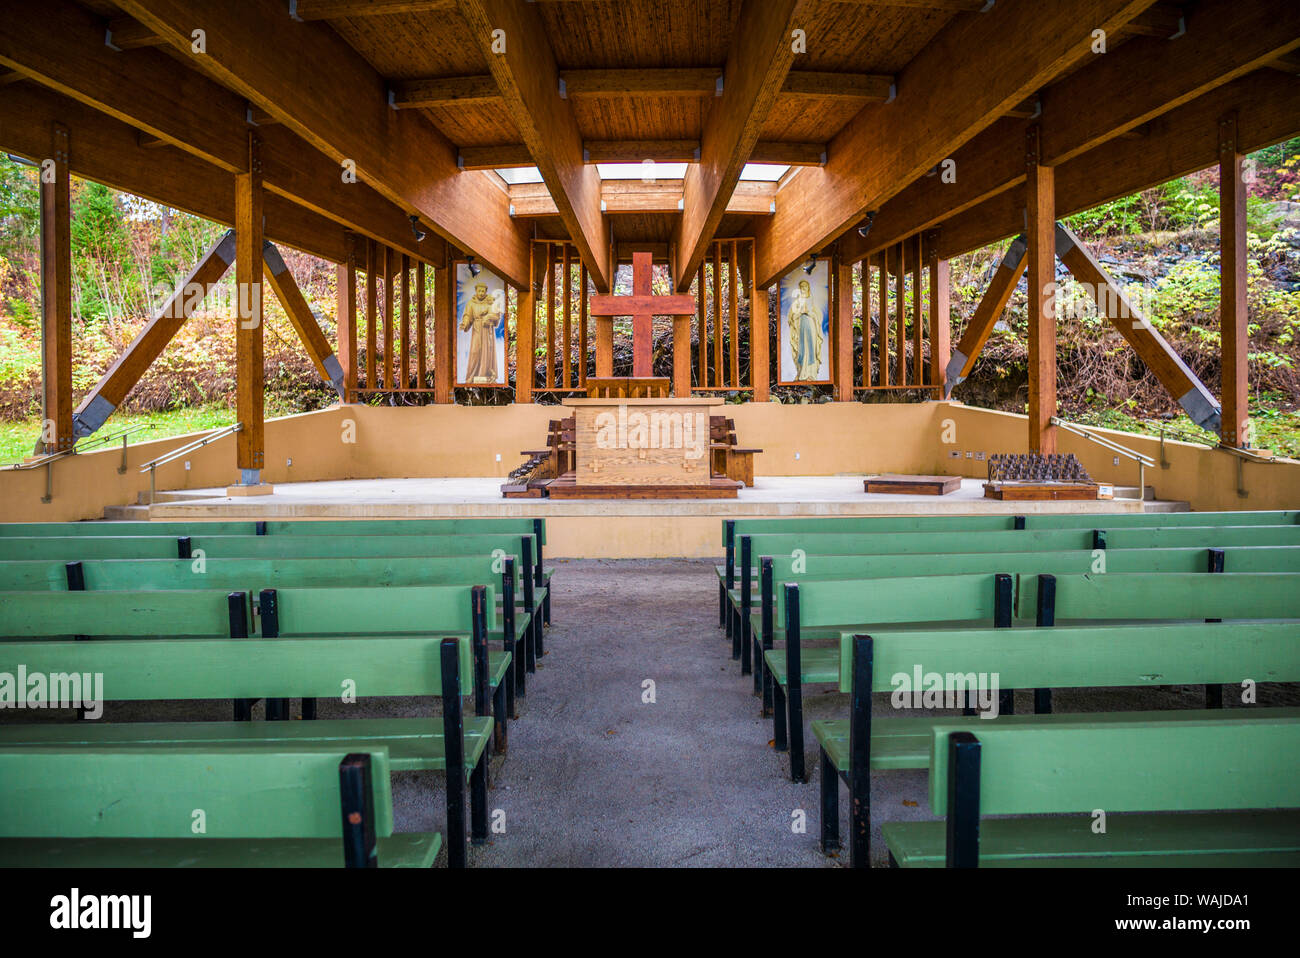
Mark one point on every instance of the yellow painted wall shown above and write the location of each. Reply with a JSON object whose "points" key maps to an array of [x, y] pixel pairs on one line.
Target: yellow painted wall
{"points": [[365, 442]]}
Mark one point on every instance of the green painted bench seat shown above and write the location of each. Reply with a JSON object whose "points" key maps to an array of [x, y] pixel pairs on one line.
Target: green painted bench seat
{"points": [[272, 668], [1091, 656], [1243, 771], [109, 807], [1197, 840], [413, 745], [399, 850], [1080, 598]]}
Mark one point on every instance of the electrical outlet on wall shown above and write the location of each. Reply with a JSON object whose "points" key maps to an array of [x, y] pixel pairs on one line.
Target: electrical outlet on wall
{"points": [[796, 455], [979, 456], [954, 453], [498, 457]]}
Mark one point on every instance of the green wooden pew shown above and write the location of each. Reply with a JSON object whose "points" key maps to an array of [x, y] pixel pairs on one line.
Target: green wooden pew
{"points": [[732, 529], [1244, 771], [253, 575], [348, 613], [761, 609], [197, 668], [295, 527], [128, 807], [1105, 656], [826, 608], [916, 602], [1052, 540], [72, 548]]}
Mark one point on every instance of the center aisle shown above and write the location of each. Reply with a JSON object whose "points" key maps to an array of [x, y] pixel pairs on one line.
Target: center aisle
{"points": [[596, 777]]}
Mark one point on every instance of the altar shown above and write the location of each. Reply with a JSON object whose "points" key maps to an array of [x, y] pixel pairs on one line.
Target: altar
{"points": [[627, 439]]}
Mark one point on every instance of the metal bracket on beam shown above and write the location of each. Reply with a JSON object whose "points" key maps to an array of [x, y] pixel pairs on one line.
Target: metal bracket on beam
{"points": [[460, 160], [586, 154], [564, 89], [108, 40], [512, 208], [602, 206], [952, 375], [988, 6], [718, 85], [681, 205], [392, 99], [293, 11], [893, 92], [1182, 28], [92, 417]]}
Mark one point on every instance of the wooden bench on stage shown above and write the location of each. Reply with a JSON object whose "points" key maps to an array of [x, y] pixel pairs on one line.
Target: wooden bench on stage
{"points": [[727, 459]]}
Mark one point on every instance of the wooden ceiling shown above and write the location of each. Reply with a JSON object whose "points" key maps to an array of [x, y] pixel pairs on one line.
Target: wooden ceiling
{"points": [[842, 37], [411, 92]]}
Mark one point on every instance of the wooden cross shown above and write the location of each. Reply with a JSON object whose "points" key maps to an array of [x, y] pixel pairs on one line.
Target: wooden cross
{"points": [[642, 306]]}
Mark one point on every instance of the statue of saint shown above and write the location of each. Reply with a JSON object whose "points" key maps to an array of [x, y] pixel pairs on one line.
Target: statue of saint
{"points": [[805, 323], [482, 315]]}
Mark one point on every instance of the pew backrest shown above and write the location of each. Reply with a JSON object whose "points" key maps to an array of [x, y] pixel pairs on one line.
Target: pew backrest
{"points": [[1254, 595], [882, 601], [1137, 766], [1100, 656], [153, 793]]}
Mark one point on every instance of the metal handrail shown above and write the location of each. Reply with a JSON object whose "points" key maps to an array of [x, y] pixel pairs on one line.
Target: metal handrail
{"points": [[49, 459], [1144, 462], [152, 465]]}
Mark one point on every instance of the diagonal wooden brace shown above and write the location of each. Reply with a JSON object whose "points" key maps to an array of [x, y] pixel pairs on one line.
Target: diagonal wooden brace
{"points": [[1150, 346], [153, 339], [300, 314], [987, 313]]}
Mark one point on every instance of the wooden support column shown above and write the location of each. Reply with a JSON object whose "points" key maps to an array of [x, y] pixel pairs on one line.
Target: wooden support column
{"points": [[372, 310], [702, 330], [843, 326], [1233, 317], [733, 304], [940, 313], [56, 297], [681, 356], [917, 325], [404, 375], [421, 321], [883, 378], [444, 334], [605, 338], [249, 370], [583, 304], [759, 344], [719, 357], [1040, 197], [900, 309], [566, 340], [526, 329], [390, 359], [550, 318], [346, 320]]}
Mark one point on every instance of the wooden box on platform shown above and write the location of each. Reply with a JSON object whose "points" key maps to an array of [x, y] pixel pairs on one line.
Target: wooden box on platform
{"points": [[1038, 491], [895, 484], [641, 443]]}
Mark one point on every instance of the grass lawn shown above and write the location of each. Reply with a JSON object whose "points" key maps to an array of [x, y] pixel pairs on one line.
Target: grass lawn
{"points": [[18, 437]]}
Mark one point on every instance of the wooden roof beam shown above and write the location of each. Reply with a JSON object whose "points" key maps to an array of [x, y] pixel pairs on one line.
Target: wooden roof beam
{"points": [[840, 86], [969, 75], [956, 6], [520, 59], [325, 92], [633, 196], [670, 81], [170, 105], [516, 155], [444, 91], [760, 57], [1225, 39], [988, 165], [338, 9], [176, 179], [1182, 141]]}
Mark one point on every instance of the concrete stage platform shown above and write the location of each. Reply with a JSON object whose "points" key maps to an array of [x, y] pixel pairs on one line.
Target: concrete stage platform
{"points": [[598, 528]]}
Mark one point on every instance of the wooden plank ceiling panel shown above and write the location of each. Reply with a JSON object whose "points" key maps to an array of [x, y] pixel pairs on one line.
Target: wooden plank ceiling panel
{"points": [[640, 33]]}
